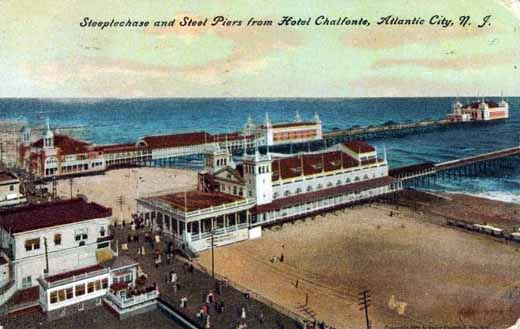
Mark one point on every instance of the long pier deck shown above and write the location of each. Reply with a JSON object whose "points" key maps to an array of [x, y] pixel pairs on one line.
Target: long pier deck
{"points": [[468, 166], [386, 129]]}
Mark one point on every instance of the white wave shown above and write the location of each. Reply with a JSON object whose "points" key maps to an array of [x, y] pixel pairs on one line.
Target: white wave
{"points": [[495, 195]]}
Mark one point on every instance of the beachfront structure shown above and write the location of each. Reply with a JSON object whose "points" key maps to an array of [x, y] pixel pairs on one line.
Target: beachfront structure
{"points": [[10, 190], [479, 111], [58, 256], [233, 201], [269, 134], [59, 155]]}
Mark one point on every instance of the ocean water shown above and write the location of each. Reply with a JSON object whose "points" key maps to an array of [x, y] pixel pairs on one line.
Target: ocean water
{"points": [[125, 120]]}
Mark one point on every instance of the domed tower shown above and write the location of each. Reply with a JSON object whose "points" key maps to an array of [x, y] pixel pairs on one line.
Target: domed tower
{"points": [[48, 139], [457, 108], [249, 127], [257, 174], [484, 110], [26, 135]]}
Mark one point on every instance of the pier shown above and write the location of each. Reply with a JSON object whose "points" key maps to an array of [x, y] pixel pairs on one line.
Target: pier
{"points": [[425, 173]]}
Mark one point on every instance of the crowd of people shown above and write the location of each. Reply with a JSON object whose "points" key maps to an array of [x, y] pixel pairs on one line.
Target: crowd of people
{"points": [[213, 304]]}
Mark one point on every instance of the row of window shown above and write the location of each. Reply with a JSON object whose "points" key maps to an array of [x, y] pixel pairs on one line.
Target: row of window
{"points": [[261, 169], [78, 290], [79, 235], [294, 135], [320, 186], [231, 190]]}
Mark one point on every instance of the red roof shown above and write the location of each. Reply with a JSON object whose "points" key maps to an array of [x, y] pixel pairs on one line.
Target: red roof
{"points": [[359, 147], [65, 275], [229, 137], [38, 216], [119, 286], [476, 105], [117, 148], [25, 296], [7, 176], [195, 200], [66, 144], [177, 140], [313, 164], [317, 195]]}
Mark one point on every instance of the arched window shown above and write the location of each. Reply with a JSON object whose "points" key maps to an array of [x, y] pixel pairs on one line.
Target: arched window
{"points": [[298, 190], [287, 193], [275, 195], [319, 187], [338, 182], [309, 188], [329, 184], [365, 177], [357, 179]]}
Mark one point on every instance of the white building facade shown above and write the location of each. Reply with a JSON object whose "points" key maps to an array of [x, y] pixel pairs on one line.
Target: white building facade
{"points": [[232, 200]]}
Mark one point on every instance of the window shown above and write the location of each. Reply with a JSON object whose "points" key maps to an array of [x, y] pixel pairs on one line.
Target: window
{"points": [[32, 244], [54, 297], [11, 187], [298, 190], [80, 289], [104, 283], [338, 182], [27, 281], [61, 295], [98, 285], [102, 231], [57, 239], [80, 234], [309, 188], [69, 293], [287, 193], [90, 287]]}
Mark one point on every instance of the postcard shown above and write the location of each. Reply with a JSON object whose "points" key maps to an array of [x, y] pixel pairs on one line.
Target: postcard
{"points": [[261, 164]]}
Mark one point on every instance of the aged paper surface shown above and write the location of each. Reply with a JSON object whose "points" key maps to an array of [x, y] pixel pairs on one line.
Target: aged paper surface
{"points": [[338, 164]]}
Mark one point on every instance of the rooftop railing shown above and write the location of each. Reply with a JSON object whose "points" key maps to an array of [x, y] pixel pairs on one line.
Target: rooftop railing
{"points": [[123, 302], [47, 284]]}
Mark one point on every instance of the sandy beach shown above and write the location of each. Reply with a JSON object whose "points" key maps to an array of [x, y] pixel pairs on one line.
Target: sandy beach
{"points": [[108, 188], [419, 273]]}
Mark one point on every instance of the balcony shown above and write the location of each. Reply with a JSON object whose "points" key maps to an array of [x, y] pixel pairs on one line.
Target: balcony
{"points": [[128, 302]]}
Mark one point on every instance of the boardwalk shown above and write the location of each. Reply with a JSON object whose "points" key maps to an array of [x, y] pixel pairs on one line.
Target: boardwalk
{"points": [[195, 286]]}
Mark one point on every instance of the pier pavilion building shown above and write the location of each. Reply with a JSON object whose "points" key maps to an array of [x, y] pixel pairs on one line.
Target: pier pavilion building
{"points": [[233, 201]]}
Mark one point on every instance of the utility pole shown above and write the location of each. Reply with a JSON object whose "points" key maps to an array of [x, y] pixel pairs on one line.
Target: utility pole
{"points": [[212, 254], [364, 302], [54, 193], [46, 271], [120, 201], [71, 180]]}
